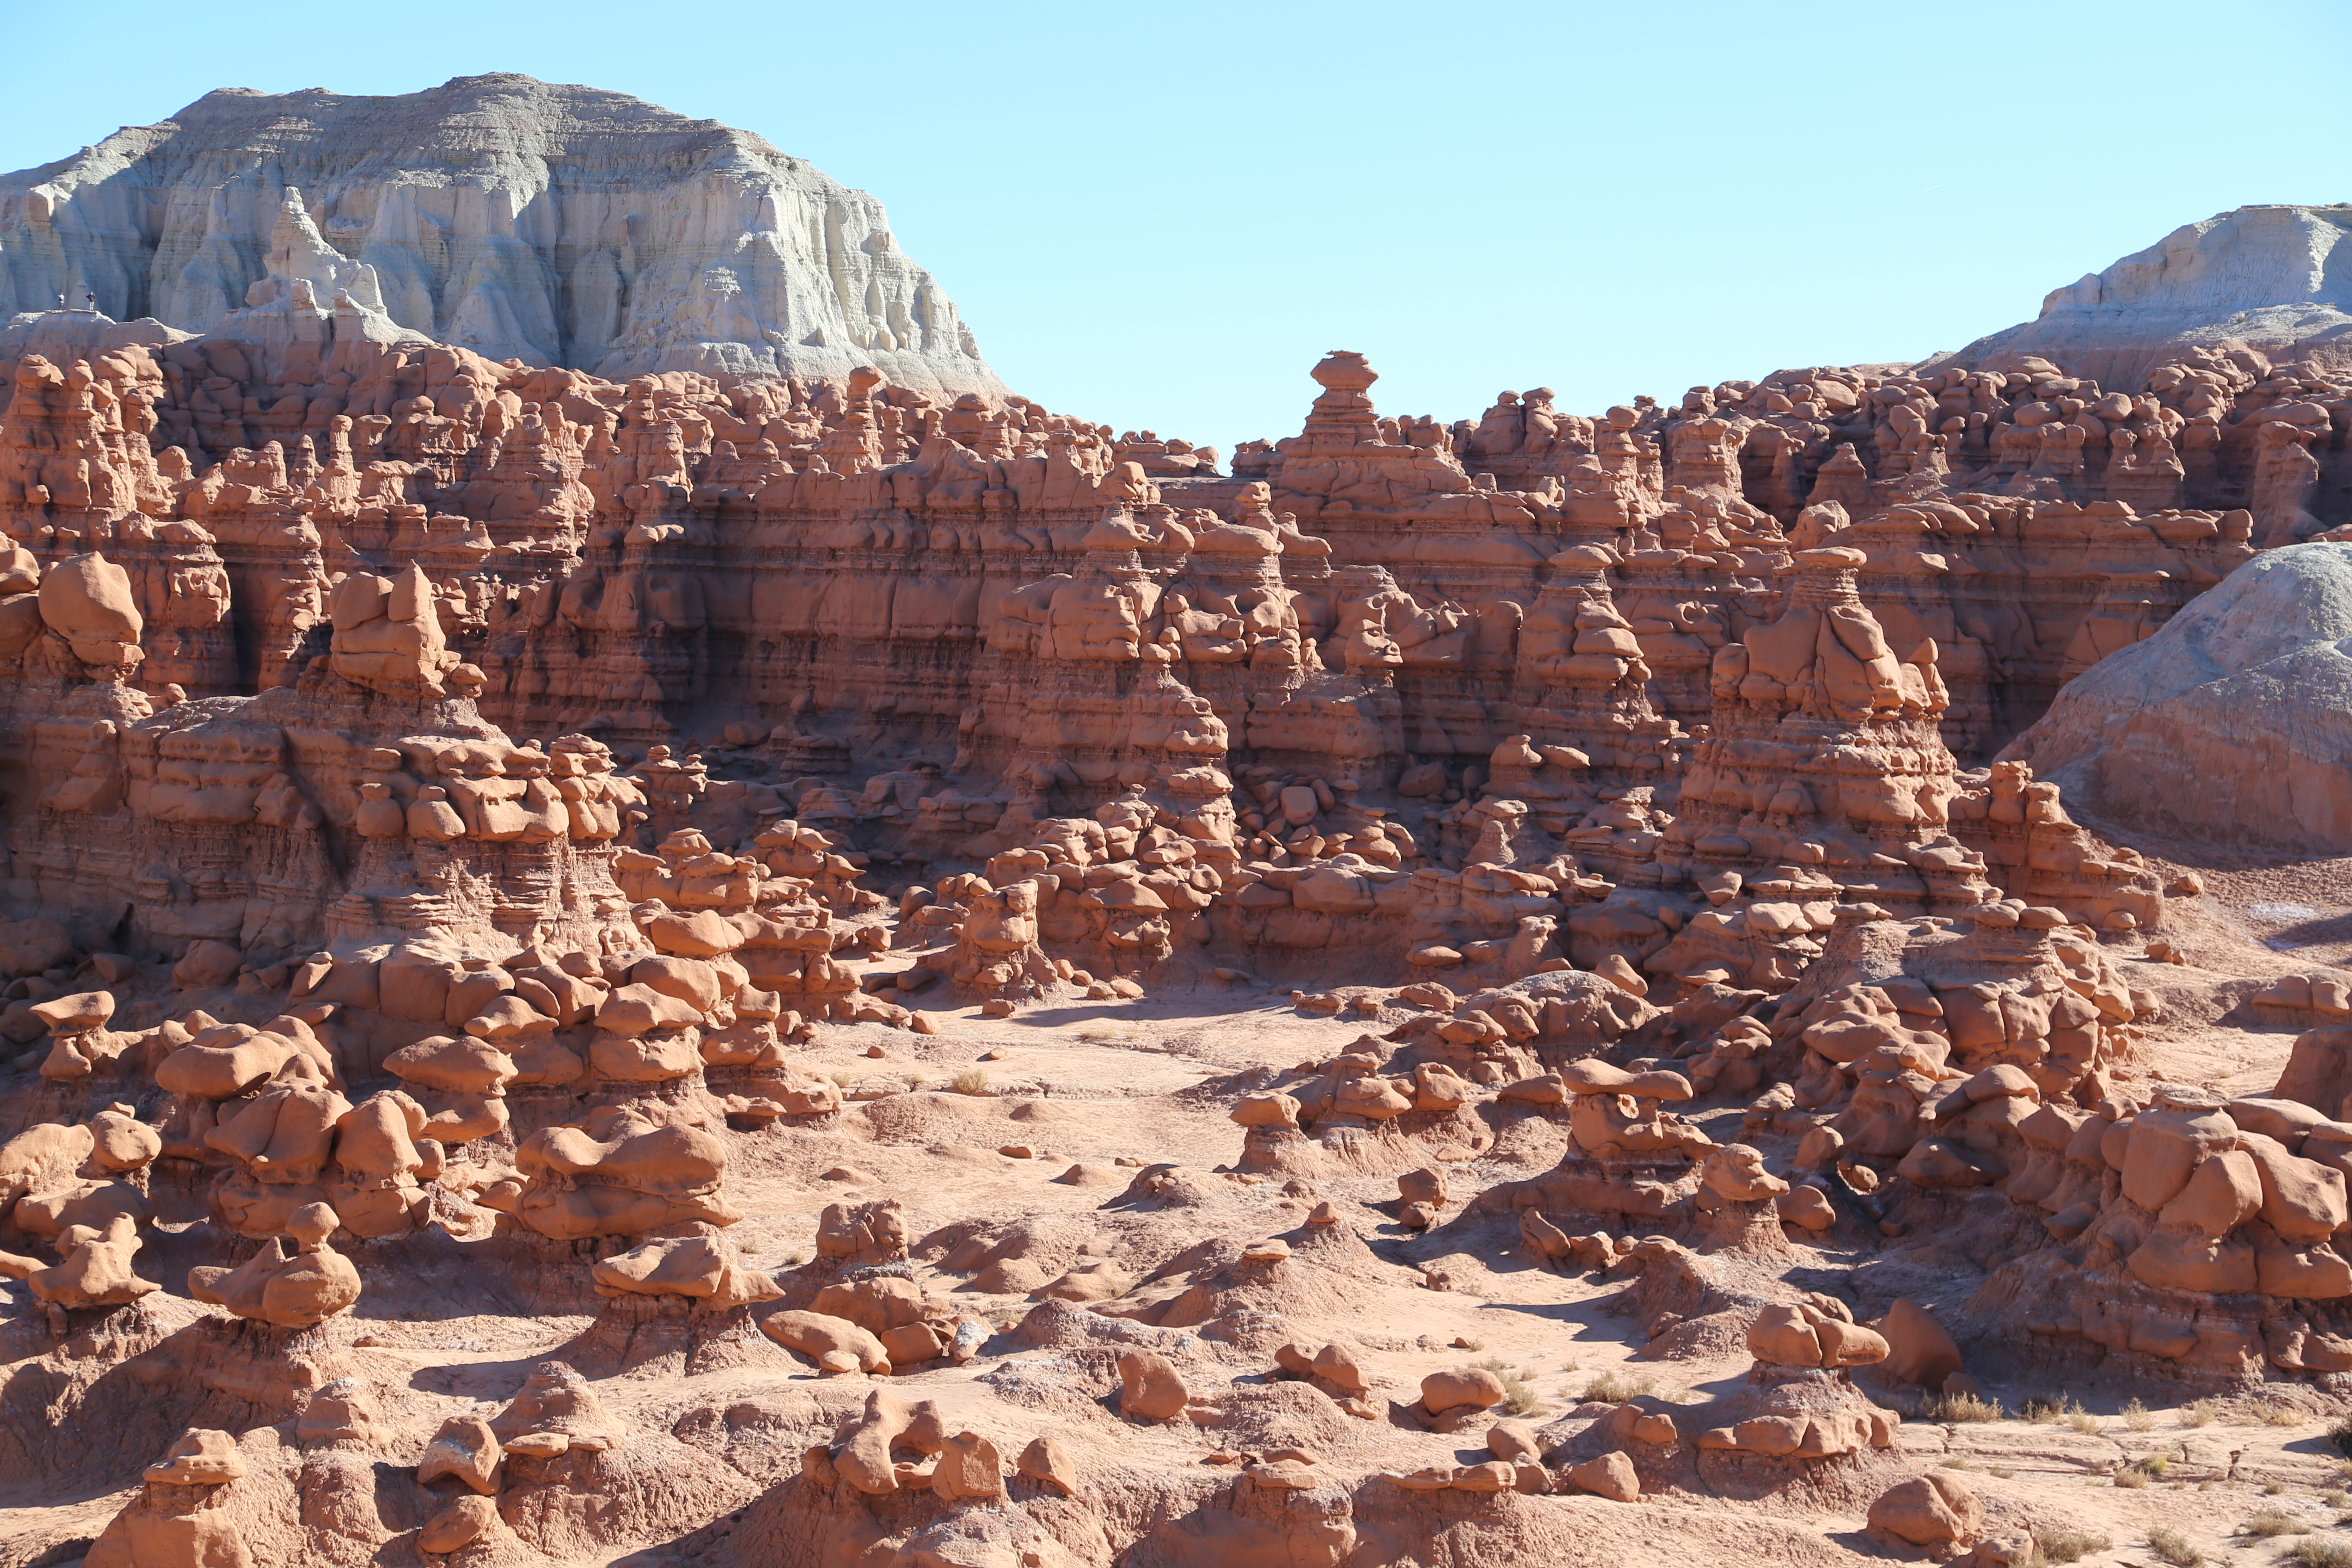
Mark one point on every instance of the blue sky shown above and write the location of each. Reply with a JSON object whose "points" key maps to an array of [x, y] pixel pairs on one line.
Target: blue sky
{"points": [[1161, 217]]}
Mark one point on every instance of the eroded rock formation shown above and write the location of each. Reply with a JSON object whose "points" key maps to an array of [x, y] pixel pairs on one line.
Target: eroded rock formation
{"points": [[533, 898]]}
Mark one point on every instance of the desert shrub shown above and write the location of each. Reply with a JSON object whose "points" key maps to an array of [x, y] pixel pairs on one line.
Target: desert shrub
{"points": [[1961, 1407], [1519, 1395], [2173, 1547], [2320, 1553], [972, 1080], [2270, 1521], [2139, 1418], [1615, 1387], [2060, 1543]]}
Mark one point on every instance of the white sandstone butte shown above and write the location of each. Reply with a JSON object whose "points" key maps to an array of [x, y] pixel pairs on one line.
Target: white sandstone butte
{"points": [[550, 224], [2277, 278]]}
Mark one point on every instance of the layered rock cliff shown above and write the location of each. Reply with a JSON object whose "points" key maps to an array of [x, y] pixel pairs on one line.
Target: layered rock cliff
{"points": [[560, 226], [2275, 277]]}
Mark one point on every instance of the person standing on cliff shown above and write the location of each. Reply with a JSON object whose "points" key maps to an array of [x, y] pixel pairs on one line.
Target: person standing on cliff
{"points": [[61, 302]]}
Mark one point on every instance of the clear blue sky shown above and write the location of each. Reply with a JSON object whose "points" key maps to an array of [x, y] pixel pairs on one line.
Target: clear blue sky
{"points": [[1163, 216]]}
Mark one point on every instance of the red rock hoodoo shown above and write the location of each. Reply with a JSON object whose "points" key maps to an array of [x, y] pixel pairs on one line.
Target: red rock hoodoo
{"points": [[776, 955]]}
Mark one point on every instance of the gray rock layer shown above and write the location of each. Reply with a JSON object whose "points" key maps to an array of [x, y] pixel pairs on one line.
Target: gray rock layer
{"points": [[554, 224], [2233, 724], [2278, 279]]}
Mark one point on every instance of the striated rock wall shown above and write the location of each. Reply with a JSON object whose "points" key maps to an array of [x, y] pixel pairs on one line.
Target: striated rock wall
{"points": [[1684, 665], [2271, 276], [522, 219]]}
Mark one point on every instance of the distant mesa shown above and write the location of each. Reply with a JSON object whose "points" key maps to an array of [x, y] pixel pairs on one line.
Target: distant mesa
{"points": [[554, 225]]}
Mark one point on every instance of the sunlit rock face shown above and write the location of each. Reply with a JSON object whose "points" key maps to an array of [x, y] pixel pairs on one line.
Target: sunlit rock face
{"points": [[560, 226]]}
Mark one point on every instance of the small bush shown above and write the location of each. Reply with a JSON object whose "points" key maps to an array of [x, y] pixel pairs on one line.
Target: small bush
{"points": [[2339, 1437], [2173, 1547], [1956, 1462], [1519, 1395], [1961, 1407], [972, 1080], [2041, 1409], [2279, 1413], [2320, 1554], [1616, 1387], [2270, 1521], [2131, 1477], [2056, 1544], [2197, 1413], [2336, 1497], [2082, 1421], [2273, 1488], [2139, 1418], [2005, 1472]]}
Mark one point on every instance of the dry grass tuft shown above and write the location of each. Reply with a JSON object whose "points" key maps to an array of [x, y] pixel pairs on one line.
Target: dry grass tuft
{"points": [[2270, 1521], [2058, 1543], [1961, 1407], [1519, 1397], [1617, 1386]]}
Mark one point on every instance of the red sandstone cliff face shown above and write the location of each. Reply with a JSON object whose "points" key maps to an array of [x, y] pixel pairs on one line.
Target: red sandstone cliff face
{"points": [[999, 614]]}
